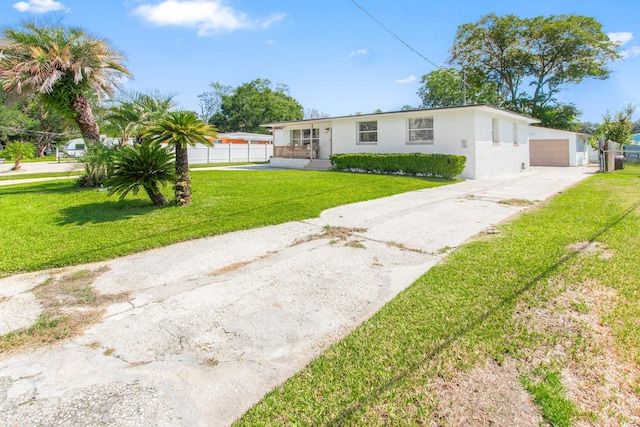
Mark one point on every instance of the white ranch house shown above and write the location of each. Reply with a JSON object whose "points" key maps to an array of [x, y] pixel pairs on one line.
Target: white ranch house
{"points": [[494, 141]]}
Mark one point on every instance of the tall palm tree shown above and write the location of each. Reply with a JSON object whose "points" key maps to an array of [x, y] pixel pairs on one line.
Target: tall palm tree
{"points": [[66, 66], [181, 129]]}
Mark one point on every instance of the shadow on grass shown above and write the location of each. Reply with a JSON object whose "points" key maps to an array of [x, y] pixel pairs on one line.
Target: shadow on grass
{"points": [[108, 211], [46, 187]]}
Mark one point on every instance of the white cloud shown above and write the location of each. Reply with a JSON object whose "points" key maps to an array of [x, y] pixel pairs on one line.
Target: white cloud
{"points": [[359, 52], [632, 52], [39, 6], [622, 38], [409, 79], [208, 16]]}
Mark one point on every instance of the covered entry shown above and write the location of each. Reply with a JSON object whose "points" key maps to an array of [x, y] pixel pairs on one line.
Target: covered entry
{"points": [[549, 152]]}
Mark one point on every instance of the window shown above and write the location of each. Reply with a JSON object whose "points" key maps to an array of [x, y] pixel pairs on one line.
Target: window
{"points": [[367, 132], [303, 136], [495, 137], [515, 134], [421, 131]]}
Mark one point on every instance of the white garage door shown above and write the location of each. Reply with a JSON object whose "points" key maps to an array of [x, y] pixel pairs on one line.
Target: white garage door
{"points": [[549, 152]]}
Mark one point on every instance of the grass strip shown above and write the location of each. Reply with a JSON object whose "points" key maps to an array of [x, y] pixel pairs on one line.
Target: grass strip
{"points": [[54, 224], [40, 175], [549, 394], [462, 312]]}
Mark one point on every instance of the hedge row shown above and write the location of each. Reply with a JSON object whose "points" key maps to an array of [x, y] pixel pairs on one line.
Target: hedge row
{"points": [[442, 165]]}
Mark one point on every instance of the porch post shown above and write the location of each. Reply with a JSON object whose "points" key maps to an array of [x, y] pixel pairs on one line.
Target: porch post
{"points": [[311, 143]]}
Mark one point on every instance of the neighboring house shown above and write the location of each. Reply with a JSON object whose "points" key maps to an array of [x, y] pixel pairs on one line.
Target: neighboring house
{"points": [[243, 138], [494, 141], [632, 153], [554, 147]]}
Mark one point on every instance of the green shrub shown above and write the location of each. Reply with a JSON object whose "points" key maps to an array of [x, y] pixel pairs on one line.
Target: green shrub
{"points": [[98, 164], [442, 165]]}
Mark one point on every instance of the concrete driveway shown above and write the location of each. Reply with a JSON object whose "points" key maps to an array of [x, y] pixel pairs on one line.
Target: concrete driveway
{"points": [[212, 325]]}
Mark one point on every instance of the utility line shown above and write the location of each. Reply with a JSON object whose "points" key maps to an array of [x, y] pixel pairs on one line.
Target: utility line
{"points": [[394, 35], [37, 132]]}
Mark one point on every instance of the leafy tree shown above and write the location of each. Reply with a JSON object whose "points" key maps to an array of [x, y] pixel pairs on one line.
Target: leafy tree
{"points": [[544, 53], [147, 166], [617, 128], [18, 151], [313, 113], [530, 60], [558, 116], [65, 66], [447, 87], [211, 102], [252, 104], [181, 129], [13, 123], [24, 118]]}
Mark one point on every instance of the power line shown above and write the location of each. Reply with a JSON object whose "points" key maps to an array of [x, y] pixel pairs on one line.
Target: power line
{"points": [[36, 132], [395, 35]]}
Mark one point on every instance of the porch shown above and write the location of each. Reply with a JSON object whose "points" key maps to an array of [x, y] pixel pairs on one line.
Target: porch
{"points": [[296, 152]]}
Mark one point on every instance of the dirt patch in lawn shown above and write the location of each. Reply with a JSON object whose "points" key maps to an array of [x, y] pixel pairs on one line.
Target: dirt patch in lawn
{"points": [[586, 247], [70, 305], [597, 380], [487, 395], [564, 329]]}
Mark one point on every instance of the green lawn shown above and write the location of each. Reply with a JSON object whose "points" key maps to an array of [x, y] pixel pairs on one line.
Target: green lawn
{"points": [[54, 224], [39, 175], [473, 309]]}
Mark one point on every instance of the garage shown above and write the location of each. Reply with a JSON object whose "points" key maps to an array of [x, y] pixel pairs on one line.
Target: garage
{"points": [[549, 152]]}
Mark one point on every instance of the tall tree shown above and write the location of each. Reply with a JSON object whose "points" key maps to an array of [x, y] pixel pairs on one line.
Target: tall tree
{"points": [[314, 113], [617, 128], [27, 119], [252, 104], [530, 60], [211, 102], [66, 66], [181, 129], [448, 87]]}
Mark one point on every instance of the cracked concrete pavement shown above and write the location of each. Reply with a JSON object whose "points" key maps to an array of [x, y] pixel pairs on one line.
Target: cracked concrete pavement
{"points": [[212, 325]]}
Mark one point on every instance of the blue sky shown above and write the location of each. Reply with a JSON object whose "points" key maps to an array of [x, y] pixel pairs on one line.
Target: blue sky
{"points": [[333, 57]]}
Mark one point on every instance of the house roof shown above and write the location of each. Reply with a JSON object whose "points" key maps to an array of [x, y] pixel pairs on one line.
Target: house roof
{"points": [[481, 107], [533, 128], [246, 135]]}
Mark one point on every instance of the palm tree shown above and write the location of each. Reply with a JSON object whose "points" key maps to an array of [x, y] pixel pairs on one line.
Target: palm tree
{"points": [[133, 112], [181, 129], [18, 151], [66, 66], [142, 165]]}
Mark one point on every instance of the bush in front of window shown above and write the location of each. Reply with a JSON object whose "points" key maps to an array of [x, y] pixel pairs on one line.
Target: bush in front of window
{"points": [[435, 165]]}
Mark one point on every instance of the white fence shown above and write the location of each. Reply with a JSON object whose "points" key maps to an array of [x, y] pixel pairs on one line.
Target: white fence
{"points": [[230, 153]]}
